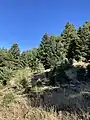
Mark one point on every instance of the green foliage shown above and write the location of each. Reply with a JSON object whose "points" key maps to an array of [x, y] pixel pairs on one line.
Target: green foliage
{"points": [[84, 35], [74, 50], [5, 75], [58, 74], [15, 57], [21, 78], [32, 58], [54, 52], [43, 49], [67, 35], [40, 68], [4, 57], [23, 82], [15, 51], [72, 42], [51, 51], [23, 59], [7, 99]]}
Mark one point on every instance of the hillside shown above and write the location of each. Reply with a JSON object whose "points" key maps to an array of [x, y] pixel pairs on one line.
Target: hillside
{"points": [[43, 102], [51, 82]]}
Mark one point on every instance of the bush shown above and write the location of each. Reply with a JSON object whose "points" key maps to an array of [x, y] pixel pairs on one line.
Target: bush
{"points": [[58, 74], [5, 75], [40, 68], [23, 82], [7, 99], [21, 76]]}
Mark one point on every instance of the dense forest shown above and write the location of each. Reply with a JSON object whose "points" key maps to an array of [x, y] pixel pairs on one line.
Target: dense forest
{"points": [[72, 44]]}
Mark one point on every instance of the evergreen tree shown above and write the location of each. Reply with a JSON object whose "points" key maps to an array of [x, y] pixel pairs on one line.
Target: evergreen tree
{"points": [[88, 49], [84, 35], [32, 59], [56, 51], [71, 41], [43, 51], [67, 35], [5, 58], [75, 47], [51, 51], [15, 51], [23, 59]]}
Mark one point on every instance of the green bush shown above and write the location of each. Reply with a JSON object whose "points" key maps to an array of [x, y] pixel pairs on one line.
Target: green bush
{"points": [[23, 82], [58, 74], [7, 99], [40, 68], [5, 75]]}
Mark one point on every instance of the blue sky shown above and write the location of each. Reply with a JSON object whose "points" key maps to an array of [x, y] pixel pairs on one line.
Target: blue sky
{"points": [[25, 21]]}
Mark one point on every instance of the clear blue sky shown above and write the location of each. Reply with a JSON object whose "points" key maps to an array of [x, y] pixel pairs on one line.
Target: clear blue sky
{"points": [[25, 21]]}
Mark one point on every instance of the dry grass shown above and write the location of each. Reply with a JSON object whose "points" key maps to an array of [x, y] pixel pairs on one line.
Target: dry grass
{"points": [[17, 107], [19, 110]]}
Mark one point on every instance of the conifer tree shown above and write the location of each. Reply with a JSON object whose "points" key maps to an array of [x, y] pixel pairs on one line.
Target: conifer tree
{"points": [[43, 51], [71, 41], [15, 51], [84, 35]]}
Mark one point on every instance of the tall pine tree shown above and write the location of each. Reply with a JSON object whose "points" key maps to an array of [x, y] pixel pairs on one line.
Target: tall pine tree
{"points": [[43, 51], [71, 41], [15, 51], [84, 35]]}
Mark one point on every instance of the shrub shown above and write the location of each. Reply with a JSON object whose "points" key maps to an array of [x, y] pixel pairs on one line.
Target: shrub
{"points": [[40, 68], [58, 74], [7, 99], [5, 75], [21, 77], [23, 82]]}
